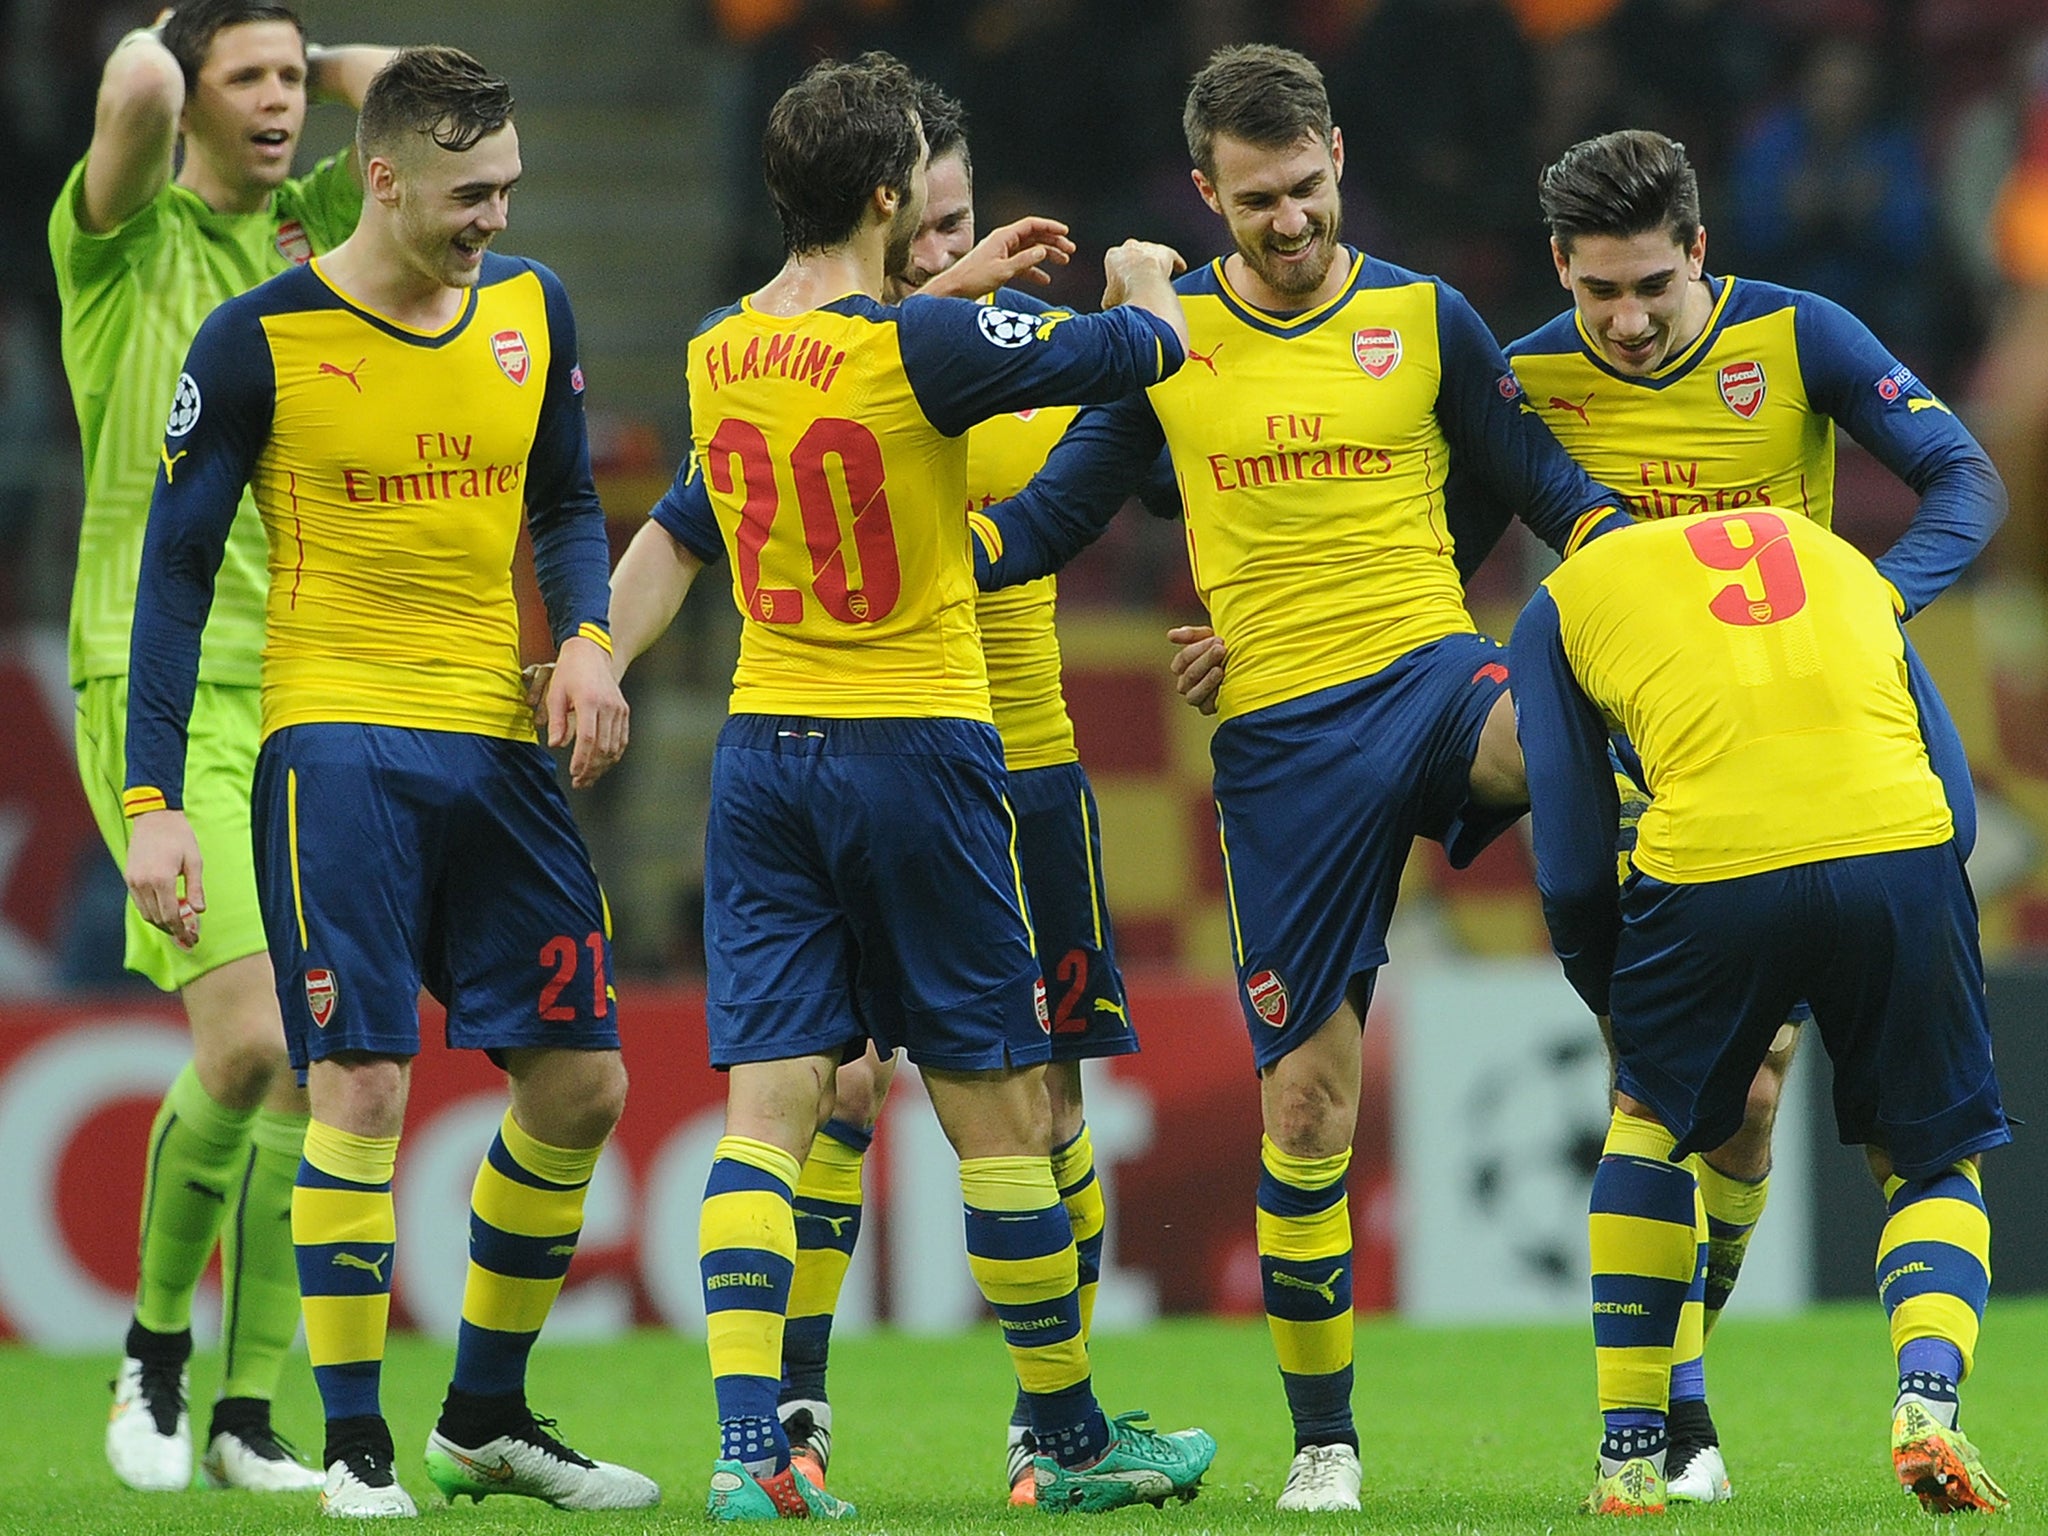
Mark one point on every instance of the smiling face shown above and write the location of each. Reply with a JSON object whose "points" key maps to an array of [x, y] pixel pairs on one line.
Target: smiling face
{"points": [[245, 112], [1640, 297], [446, 205], [1283, 213], [946, 233]]}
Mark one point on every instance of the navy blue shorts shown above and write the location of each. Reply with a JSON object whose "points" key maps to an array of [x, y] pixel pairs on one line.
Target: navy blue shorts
{"points": [[388, 859], [1059, 845], [861, 880], [1634, 801], [1317, 803], [1883, 945]]}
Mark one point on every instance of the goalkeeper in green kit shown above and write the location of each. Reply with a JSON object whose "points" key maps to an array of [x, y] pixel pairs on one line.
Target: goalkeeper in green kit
{"points": [[142, 255]]}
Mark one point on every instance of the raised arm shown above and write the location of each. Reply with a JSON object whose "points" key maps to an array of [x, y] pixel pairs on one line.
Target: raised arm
{"points": [[1879, 402], [342, 74], [134, 129], [1573, 807]]}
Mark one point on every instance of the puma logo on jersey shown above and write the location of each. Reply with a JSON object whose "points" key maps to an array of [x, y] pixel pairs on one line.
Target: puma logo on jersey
{"points": [[374, 1269], [1325, 1288], [1578, 409], [1206, 359], [340, 372], [1917, 403], [836, 1223], [170, 462]]}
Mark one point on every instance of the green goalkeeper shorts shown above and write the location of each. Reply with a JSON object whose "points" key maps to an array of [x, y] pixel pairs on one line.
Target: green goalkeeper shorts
{"points": [[220, 764]]}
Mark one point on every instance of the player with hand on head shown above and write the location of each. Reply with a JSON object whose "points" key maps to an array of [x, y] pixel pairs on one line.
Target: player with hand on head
{"points": [[1327, 397], [397, 406], [1799, 843], [1059, 849], [860, 878], [185, 198]]}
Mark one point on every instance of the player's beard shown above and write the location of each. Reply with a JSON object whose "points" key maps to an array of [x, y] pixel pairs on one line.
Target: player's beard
{"points": [[902, 234], [1296, 279]]}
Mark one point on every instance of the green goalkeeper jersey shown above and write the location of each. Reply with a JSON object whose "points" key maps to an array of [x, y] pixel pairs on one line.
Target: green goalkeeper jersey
{"points": [[133, 300]]}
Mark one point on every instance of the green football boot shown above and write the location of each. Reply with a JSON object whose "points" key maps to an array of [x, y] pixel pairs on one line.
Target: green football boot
{"points": [[1140, 1466], [736, 1494]]}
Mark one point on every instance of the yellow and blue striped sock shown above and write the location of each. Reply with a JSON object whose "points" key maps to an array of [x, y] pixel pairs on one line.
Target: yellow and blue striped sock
{"points": [[1020, 1246], [525, 1213], [746, 1246], [1689, 1349], [1304, 1235], [828, 1212], [1073, 1170], [1645, 1257], [1734, 1206], [345, 1234], [1934, 1278]]}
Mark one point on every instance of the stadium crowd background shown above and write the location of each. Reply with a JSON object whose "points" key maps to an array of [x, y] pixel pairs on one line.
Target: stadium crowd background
{"points": [[1891, 154]]}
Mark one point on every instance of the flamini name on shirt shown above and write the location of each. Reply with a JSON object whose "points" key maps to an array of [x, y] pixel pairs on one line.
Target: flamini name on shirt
{"points": [[798, 358]]}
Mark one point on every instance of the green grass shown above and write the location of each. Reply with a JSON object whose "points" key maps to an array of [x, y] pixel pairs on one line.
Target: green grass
{"points": [[1466, 1431]]}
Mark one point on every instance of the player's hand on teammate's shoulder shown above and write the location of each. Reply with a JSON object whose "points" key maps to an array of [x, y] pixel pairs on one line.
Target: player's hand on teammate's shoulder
{"points": [[1197, 665], [1022, 249], [583, 705], [161, 851]]}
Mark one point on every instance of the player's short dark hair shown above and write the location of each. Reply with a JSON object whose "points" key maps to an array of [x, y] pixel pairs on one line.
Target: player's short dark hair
{"points": [[1263, 95], [1621, 184], [189, 31], [833, 137], [436, 93], [945, 125]]}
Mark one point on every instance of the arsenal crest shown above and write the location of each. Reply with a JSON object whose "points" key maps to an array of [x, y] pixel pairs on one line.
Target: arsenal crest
{"points": [[1038, 1003], [321, 994], [1268, 992], [509, 348], [1742, 388], [293, 244], [1378, 350]]}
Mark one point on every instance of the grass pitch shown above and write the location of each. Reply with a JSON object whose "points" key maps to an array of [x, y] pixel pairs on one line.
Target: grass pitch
{"points": [[1477, 1432]]}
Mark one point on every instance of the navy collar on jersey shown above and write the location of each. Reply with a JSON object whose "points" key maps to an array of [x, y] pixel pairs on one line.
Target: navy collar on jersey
{"points": [[1677, 367], [1297, 323], [430, 340]]}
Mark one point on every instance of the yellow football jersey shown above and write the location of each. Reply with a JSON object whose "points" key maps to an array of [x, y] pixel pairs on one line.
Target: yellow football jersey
{"points": [[1312, 452], [392, 469], [830, 464], [1756, 663], [1746, 417], [1018, 634]]}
